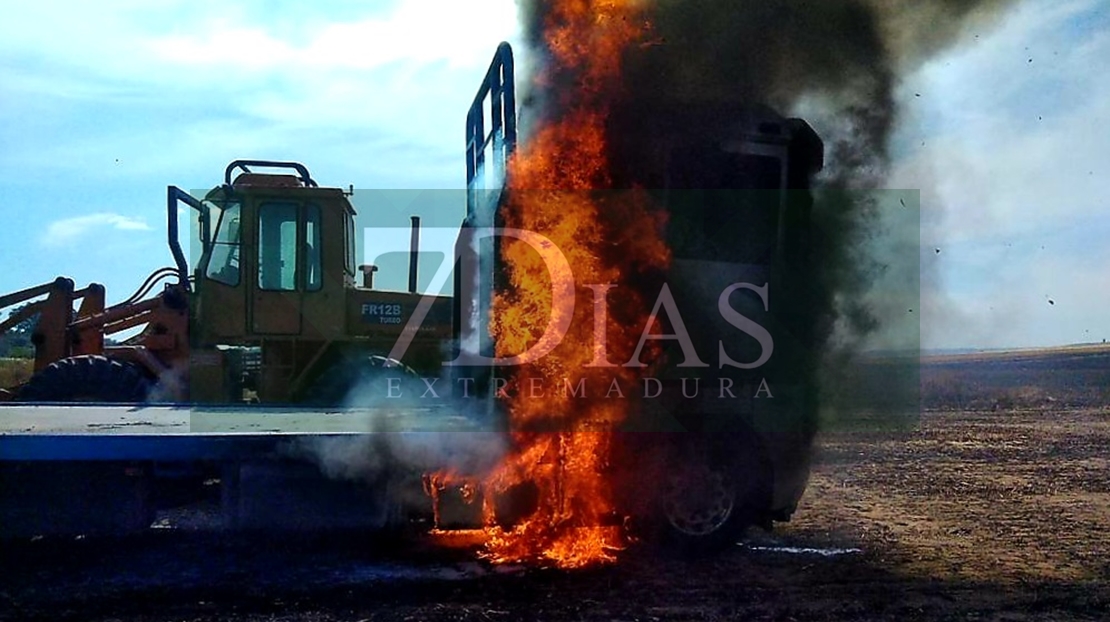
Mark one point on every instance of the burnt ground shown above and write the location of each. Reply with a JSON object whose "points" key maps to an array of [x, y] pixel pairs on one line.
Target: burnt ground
{"points": [[980, 512]]}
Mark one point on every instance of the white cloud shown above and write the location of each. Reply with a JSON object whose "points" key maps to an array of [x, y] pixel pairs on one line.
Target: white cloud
{"points": [[374, 93], [416, 31], [68, 230], [191, 45]]}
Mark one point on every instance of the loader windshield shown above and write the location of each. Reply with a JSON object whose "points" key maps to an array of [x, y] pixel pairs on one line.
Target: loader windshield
{"points": [[223, 253]]}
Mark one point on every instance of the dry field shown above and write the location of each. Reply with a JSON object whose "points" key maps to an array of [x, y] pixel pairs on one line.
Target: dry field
{"points": [[996, 509]]}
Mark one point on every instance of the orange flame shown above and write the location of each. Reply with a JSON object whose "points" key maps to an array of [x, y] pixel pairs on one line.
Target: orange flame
{"points": [[549, 180]]}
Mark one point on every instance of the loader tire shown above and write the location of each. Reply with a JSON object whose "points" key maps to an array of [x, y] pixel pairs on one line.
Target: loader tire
{"points": [[87, 378], [362, 380]]}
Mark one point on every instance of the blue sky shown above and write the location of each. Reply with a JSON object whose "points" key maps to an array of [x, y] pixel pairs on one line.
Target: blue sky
{"points": [[104, 104]]}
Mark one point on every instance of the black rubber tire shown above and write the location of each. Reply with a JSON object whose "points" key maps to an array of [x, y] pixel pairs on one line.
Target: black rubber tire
{"points": [[337, 386], [742, 472], [87, 378]]}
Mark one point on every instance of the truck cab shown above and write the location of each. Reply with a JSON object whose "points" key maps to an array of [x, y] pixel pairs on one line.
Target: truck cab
{"points": [[733, 182]]}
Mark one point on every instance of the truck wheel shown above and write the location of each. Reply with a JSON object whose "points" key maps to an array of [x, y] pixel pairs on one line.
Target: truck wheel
{"points": [[87, 378], [708, 502], [699, 502]]}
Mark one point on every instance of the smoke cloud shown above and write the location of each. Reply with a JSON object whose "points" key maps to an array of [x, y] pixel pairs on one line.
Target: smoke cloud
{"points": [[840, 59], [407, 434], [835, 63]]}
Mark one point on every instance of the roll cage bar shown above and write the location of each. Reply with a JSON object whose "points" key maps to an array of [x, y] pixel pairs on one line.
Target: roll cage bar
{"points": [[244, 165], [175, 195]]}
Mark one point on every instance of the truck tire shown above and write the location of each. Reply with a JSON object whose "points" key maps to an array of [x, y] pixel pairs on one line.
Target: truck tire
{"points": [[708, 503], [87, 378]]}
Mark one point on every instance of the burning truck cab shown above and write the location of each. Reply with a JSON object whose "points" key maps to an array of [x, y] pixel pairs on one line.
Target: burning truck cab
{"points": [[738, 420], [721, 403]]}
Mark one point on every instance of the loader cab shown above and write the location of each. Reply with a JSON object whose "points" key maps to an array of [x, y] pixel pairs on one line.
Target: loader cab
{"points": [[277, 256]]}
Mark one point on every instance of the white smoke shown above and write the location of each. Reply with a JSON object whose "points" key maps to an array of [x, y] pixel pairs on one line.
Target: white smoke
{"points": [[412, 426]]}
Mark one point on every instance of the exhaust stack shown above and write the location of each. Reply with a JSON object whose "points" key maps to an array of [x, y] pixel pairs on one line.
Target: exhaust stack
{"points": [[414, 253]]}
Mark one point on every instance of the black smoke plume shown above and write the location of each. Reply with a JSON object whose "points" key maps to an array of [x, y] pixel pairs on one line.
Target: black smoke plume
{"points": [[836, 63]]}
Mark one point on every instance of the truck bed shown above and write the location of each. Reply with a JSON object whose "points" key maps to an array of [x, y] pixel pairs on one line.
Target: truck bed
{"points": [[186, 433]]}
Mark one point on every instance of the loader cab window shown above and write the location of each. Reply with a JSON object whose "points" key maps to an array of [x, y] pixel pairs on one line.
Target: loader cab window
{"points": [[288, 261], [223, 259], [277, 246], [313, 265], [349, 237]]}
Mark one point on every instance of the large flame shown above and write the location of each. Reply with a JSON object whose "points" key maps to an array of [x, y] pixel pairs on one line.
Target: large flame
{"points": [[562, 441]]}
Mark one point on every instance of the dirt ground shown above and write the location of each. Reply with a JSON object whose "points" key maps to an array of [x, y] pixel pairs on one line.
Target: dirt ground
{"points": [[989, 514]]}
